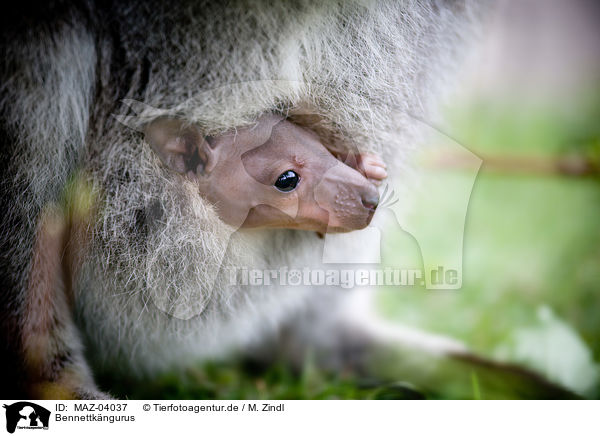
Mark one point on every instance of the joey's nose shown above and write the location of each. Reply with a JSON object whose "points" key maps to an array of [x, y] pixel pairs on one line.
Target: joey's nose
{"points": [[370, 200]]}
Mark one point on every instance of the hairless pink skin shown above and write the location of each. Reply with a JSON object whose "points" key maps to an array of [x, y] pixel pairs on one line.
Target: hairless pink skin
{"points": [[237, 172]]}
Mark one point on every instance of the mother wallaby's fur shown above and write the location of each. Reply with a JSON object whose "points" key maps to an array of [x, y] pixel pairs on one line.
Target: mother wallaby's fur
{"points": [[147, 278]]}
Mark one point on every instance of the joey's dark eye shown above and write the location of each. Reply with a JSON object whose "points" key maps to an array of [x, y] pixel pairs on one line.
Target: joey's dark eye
{"points": [[287, 181]]}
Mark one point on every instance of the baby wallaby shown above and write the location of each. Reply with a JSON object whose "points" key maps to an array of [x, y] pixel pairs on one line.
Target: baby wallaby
{"points": [[274, 174]]}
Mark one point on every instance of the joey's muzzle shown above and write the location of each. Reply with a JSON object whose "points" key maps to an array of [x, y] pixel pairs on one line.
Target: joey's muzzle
{"points": [[348, 197]]}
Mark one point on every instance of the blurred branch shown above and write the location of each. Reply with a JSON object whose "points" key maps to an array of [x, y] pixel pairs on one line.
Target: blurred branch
{"points": [[572, 165]]}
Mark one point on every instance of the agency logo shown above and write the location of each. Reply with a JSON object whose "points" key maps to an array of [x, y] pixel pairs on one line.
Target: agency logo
{"points": [[421, 228], [26, 415]]}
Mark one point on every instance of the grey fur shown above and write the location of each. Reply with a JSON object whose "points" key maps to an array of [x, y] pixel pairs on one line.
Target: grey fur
{"points": [[363, 67]]}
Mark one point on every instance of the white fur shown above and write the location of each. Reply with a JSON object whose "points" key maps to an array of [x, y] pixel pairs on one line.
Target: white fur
{"points": [[364, 68]]}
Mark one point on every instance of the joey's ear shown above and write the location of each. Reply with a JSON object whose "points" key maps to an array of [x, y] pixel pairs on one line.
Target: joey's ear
{"points": [[179, 145]]}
